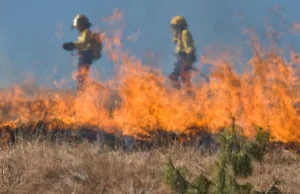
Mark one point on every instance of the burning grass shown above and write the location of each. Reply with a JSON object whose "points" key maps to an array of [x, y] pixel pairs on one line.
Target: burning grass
{"points": [[35, 167], [141, 102], [138, 100]]}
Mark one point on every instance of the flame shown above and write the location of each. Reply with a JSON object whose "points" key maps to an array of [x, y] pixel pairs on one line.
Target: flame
{"points": [[295, 28], [138, 100], [60, 32]]}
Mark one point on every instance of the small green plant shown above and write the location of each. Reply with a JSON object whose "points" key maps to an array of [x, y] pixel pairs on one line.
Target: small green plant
{"points": [[235, 160], [175, 177]]}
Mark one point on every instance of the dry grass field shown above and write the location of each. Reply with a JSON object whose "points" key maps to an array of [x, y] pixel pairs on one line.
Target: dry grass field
{"points": [[45, 167]]}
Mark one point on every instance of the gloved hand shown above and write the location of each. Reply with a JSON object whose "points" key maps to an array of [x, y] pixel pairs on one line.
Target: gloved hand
{"points": [[68, 46]]}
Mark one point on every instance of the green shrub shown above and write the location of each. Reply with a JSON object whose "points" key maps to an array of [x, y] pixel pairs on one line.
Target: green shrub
{"points": [[236, 155]]}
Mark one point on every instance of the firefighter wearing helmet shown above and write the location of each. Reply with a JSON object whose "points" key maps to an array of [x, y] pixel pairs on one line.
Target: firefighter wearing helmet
{"points": [[185, 52], [84, 47]]}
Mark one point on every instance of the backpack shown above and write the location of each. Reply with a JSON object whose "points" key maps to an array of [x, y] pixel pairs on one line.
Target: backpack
{"points": [[96, 45]]}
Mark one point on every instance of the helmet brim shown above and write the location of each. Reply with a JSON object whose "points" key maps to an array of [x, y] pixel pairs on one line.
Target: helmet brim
{"points": [[88, 25]]}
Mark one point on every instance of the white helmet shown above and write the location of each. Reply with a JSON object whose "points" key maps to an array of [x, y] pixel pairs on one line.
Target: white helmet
{"points": [[81, 20]]}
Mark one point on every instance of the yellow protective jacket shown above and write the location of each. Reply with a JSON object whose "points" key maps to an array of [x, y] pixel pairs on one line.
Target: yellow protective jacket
{"points": [[184, 42], [84, 41]]}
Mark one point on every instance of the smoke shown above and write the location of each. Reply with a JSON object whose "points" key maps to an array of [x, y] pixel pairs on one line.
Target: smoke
{"points": [[8, 72]]}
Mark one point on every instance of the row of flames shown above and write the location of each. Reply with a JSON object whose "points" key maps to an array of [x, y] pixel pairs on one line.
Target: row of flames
{"points": [[138, 100]]}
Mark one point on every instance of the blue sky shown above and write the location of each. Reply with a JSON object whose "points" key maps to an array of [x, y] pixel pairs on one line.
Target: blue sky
{"points": [[27, 45]]}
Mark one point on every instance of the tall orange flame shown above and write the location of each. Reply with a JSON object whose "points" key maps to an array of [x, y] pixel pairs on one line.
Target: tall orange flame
{"points": [[137, 100]]}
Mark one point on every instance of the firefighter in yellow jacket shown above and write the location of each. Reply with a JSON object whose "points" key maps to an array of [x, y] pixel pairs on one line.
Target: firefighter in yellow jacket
{"points": [[185, 52], [84, 47]]}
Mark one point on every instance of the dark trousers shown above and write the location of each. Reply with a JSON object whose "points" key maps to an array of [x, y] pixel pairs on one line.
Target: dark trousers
{"points": [[183, 70], [84, 65]]}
